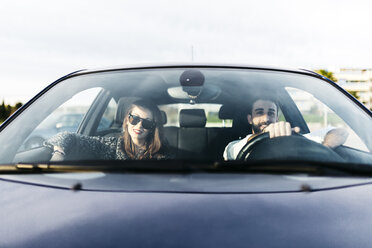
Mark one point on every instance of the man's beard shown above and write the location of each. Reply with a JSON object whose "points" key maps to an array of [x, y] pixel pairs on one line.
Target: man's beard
{"points": [[257, 128]]}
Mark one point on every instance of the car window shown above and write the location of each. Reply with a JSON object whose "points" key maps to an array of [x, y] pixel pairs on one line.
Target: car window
{"points": [[319, 117], [66, 118], [211, 111], [108, 116]]}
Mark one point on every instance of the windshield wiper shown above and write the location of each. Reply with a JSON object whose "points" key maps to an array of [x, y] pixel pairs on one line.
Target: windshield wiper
{"points": [[190, 166], [298, 166], [160, 166]]}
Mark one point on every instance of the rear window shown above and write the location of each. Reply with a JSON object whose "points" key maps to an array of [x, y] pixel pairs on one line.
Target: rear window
{"points": [[211, 111]]}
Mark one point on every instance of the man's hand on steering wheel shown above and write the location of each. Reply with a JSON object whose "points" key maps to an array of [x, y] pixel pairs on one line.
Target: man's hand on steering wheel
{"points": [[280, 128], [274, 130]]}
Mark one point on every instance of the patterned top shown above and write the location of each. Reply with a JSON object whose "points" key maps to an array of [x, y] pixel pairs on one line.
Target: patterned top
{"points": [[77, 146]]}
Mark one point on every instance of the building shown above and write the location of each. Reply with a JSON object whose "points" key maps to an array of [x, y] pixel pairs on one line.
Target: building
{"points": [[358, 82]]}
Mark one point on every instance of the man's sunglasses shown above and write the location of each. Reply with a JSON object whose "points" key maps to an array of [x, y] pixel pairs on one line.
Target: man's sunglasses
{"points": [[134, 120]]}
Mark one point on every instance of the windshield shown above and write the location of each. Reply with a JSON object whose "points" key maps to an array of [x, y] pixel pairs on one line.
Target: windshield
{"points": [[197, 114]]}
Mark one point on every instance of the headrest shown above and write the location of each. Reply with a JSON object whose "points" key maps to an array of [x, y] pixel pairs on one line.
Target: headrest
{"points": [[226, 112], [163, 117], [123, 105], [192, 118], [239, 116]]}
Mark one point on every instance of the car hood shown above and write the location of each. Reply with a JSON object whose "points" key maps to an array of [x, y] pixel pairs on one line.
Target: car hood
{"points": [[35, 216]]}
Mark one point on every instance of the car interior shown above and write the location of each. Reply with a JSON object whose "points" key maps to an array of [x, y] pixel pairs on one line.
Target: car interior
{"points": [[190, 138]]}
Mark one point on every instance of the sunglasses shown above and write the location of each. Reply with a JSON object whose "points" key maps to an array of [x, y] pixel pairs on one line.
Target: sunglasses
{"points": [[146, 124]]}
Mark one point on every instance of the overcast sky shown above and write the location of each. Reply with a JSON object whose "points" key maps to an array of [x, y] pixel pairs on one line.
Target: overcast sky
{"points": [[42, 40]]}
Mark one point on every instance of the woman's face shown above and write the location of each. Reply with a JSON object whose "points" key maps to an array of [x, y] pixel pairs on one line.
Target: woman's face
{"points": [[137, 132]]}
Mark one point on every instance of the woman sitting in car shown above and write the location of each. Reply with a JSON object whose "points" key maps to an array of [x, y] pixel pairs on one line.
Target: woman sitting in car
{"points": [[142, 138]]}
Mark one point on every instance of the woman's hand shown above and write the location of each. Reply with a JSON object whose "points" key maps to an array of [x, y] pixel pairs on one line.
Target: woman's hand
{"points": [[58, 154]]}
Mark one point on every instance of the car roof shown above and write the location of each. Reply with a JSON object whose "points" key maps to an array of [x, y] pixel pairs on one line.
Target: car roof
{"points": [[192, 65]]}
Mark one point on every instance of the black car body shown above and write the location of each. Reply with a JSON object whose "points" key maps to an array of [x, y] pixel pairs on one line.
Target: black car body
{"points": [[293, 194]]}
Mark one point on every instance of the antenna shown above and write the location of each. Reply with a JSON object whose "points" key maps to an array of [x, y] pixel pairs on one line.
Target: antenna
{"points": [[192, 53]]}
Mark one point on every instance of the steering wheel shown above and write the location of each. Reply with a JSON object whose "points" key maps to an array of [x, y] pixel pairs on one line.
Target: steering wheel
{"points": [[294, 147]]}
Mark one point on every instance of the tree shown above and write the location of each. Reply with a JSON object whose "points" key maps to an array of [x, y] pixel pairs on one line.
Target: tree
{"points": [[15, 107], [7, 110], [327, 74], [354, 94], [330, 75], [3, 115]]}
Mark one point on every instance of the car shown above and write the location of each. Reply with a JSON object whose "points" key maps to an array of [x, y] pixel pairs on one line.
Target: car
{"points": [[288, 191], [55, 123]]}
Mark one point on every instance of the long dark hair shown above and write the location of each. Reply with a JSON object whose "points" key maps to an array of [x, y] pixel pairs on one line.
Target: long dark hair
{"points": [[155, 143]]}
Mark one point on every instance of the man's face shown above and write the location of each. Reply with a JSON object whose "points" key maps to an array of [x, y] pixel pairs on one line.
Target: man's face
{"points": [[264, 112]]}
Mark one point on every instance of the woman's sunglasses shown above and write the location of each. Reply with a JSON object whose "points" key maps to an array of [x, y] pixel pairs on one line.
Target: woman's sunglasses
{"points": [[146, 124]]}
